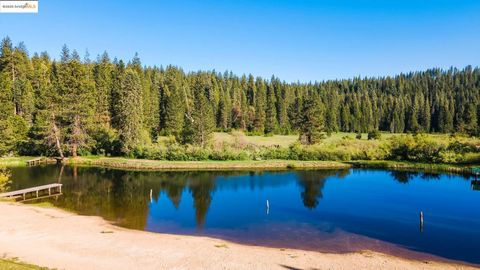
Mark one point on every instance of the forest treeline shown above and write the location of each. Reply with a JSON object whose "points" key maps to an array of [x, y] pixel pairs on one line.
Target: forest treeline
{"points": [[76, 105]]}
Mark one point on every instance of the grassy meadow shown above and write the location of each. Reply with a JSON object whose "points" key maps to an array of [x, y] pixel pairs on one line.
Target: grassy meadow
{"points": [[236, 150]]}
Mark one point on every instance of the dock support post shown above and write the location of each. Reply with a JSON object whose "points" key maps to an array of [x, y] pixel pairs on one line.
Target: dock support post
{"points": [[421, 221]]}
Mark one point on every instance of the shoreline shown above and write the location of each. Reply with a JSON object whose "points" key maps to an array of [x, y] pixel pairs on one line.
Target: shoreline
{"points": [[405, 165], [145, 164], [55, 238], [212, 165]]}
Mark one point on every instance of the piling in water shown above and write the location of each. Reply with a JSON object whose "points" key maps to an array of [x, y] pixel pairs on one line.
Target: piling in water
{"points": [[421, 221], [268, 206]]}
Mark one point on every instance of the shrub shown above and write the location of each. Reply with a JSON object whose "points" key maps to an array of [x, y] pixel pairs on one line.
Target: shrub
{"points": [[374, 135], [448, 156], [105, 141], [4, 179], [275, 153], [460, 147], [228, 153], [358, 136], [151, 151], [418, 148]]}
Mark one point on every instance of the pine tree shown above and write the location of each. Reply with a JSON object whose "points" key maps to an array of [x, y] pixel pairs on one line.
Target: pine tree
{"points": [[260, 99], [74, 105], [173, 104], [76, 96], [270, 111], [16, 96], [426, 116], [280, 105], [200, 125], [130, 110], [102, 73], [413, 124], [222, 114], [295, 113], [471, 119], [312, 121], [345, 118]]}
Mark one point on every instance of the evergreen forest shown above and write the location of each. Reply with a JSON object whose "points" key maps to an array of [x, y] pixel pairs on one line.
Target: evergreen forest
{"points": [[76, 105]]}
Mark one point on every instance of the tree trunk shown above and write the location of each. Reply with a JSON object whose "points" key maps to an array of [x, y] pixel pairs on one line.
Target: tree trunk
{"points": [[74, 150], [57, 139], [76, 135]]}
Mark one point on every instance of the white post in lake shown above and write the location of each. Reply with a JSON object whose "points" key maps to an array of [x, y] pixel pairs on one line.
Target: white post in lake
{"points": [[151, 195], [421, 221], [268, 207]]}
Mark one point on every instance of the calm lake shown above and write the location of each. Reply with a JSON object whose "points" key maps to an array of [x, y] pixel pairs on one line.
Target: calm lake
{"points": [[325, 210]]}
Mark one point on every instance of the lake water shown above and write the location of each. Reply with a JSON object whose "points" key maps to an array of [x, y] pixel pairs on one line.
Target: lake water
{"points": [[324, 210]]}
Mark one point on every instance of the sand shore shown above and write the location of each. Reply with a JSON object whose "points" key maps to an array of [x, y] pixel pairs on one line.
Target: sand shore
{"points": [[58, 239]]}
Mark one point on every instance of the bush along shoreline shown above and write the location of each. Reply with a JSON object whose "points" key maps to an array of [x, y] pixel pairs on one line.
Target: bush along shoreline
{"points": [[424, 152], [420, 148]]}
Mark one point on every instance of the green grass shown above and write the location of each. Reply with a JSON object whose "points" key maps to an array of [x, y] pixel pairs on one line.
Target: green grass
{"points": [[257, 152], [239, 138], [14, 264], [404, 165], [143, 164], [286, 140], [15, 161]]}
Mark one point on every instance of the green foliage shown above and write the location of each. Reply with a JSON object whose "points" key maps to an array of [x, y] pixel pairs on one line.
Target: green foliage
{"points": [[13, 135], [419, 148], [172, 102], [177, 152], [106, 141], [200, 125], [423, 148], [311, 122], [75, 106], [130, 111], [4, 179], [270, 111], [374, 135]]}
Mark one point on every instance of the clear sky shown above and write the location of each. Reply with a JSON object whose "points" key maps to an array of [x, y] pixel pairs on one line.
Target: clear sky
{"points": [[295, 39]]}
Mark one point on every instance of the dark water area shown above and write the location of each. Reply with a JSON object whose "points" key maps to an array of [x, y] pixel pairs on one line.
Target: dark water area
{"points": [[324, 210]]}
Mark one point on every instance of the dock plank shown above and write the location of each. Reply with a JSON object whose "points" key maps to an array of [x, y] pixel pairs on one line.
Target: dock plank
{"points": [[29, 190]]}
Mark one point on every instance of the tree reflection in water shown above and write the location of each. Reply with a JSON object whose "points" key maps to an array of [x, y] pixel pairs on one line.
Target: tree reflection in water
{"points": [[313, 183], [123, 197]]}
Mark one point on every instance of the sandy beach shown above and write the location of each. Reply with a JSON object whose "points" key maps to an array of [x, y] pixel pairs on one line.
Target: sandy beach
{"points": [[58, 239]]}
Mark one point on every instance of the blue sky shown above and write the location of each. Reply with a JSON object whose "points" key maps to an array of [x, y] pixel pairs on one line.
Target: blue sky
{"points": [[295, 40]]}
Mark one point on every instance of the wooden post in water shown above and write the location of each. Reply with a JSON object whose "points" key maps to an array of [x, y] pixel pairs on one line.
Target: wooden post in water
{"points": [[421, 221]]}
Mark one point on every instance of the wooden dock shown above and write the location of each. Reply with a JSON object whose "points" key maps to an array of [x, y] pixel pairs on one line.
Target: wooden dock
{"points": [[34, 192], [36, 161]]}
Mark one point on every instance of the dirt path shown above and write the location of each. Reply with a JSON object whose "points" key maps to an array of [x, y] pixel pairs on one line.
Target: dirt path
{"points": [[58, 239]]}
